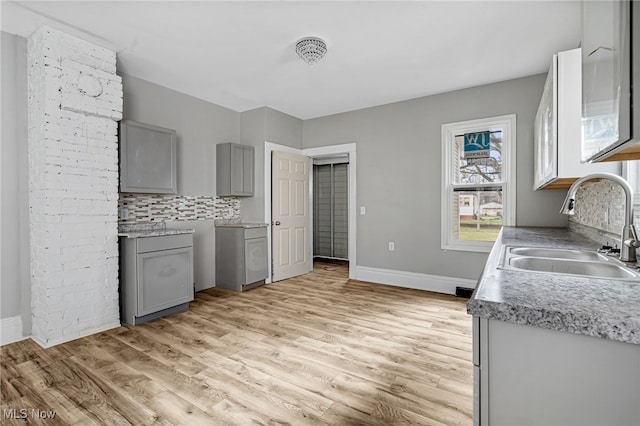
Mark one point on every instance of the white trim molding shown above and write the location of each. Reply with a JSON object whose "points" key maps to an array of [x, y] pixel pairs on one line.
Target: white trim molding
{"points": [[11, 330], [435, 283], [64, 339]]}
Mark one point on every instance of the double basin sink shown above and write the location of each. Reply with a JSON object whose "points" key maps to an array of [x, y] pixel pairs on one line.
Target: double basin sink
{"points": [[565, 261]]}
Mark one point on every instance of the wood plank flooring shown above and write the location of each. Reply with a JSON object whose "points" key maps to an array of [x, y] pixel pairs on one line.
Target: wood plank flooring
{"points": [[316, 349]]}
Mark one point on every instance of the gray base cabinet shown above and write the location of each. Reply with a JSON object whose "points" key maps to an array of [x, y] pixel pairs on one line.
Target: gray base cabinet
{"points": [[241, 257], [156, 276], [527, 375]]}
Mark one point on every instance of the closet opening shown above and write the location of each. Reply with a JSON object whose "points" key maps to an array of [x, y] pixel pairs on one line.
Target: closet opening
{"points": [[331, 209]]}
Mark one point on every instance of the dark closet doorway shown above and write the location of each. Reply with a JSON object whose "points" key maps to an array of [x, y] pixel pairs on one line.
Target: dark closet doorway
{"points": [[331, 208]]}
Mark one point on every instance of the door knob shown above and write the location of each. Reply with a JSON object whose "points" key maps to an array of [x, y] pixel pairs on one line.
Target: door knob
{"points": [[276, 223]]}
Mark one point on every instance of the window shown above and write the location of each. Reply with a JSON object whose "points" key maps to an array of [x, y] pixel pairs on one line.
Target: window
{"points": [[478, 194], [631, 172]]}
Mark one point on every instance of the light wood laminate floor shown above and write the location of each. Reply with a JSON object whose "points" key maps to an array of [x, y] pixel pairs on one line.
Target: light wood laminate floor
{"points": [[316, 349]]}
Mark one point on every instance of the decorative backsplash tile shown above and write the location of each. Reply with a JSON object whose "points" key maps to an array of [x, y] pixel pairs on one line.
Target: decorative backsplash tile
{"points": [[600, 205], [599, 211], [149, 208]]}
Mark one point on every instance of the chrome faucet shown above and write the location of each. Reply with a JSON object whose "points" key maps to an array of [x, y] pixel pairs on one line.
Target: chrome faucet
{"points": [[629, 237]]}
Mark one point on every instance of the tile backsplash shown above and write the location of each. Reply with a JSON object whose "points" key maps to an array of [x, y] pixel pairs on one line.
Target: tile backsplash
{"points": [[149, 208], [599, 212]]}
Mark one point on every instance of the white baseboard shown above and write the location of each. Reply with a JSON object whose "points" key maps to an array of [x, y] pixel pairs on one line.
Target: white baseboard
{"points": [[435, 283], [11, 330], [64, 339]]}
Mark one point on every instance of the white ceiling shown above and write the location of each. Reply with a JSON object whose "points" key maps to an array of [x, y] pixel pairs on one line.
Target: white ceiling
{"points": [[241, 55]]}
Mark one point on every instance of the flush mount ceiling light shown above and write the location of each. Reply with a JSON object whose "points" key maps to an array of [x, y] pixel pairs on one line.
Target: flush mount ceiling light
{"points": [[311, 49]]}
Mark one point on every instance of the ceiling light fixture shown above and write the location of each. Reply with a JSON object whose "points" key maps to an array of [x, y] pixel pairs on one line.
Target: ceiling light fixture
{"points": [[311, 49]]}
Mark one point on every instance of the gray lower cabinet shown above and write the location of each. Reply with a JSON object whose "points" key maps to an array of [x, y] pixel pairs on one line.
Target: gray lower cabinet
{"points": [[156, 275], [241, 257]]}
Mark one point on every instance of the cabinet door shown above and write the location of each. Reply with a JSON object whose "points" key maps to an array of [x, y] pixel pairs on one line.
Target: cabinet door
{"points": [[545, 131], [606, 68], [255, 257], [147, 158], [241, 170], [165, 279]]}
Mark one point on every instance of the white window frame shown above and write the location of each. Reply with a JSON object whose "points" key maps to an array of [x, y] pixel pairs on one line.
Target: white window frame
{"points": [[449, 131]]}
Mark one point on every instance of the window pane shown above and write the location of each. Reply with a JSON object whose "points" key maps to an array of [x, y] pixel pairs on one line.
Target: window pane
{"points": [[479, 170], [477, 215]]}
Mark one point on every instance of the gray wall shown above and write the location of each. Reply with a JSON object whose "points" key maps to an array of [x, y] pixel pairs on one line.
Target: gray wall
{"points": [[200, 125], [256, 127], [15, 288], [399, 172]]}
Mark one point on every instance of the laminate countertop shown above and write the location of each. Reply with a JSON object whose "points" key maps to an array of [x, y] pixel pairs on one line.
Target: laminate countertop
{"points": [[598, 307], [145, 233]]}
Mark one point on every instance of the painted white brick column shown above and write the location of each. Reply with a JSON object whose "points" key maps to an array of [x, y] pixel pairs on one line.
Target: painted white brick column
{"points": [[75, 102]]}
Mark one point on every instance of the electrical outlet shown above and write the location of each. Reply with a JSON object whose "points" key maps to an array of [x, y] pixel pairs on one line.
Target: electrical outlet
{"points": [[124, 214], [392, 246], [363, 211]]}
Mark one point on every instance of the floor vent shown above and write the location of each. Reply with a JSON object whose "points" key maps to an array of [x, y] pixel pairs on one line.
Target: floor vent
{"points": [[464, 292]]}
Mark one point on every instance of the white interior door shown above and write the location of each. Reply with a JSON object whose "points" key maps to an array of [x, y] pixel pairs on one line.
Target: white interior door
{"points": [[290, 218]]}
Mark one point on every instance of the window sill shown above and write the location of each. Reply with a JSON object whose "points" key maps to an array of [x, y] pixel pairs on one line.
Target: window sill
{"points": [[474, 246]]}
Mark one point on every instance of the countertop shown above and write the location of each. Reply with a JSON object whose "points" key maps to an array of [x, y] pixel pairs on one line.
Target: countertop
{"points": [[597, 307], [241, 225], [155, 233]]}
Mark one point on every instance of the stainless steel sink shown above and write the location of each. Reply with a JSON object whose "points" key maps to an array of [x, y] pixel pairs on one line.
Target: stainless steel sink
{"points": [[573, 267], [564, 261], [559, 254]]}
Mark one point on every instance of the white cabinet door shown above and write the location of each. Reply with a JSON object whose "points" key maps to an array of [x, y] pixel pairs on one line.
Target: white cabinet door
{"points": [[606, 68], [542, 377], [557, 127], [545, 130]]}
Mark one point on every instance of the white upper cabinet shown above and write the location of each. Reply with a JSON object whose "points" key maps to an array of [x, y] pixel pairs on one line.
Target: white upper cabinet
{"points": [[610, 125], [557, 127]]}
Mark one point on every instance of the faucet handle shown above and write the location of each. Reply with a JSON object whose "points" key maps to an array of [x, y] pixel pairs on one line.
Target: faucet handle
{"points": [[633, 241]]}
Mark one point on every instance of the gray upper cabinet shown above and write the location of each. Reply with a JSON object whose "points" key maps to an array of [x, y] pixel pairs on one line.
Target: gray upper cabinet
{"points": [[147, 158], [610, 124], [234, 170]]}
